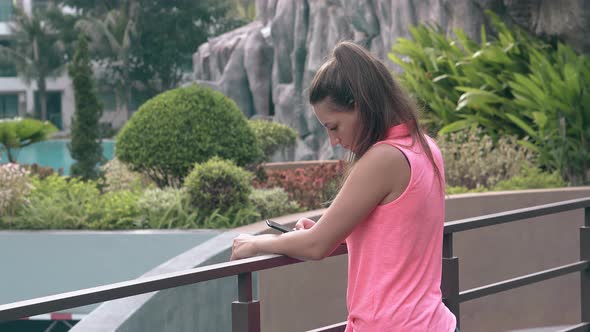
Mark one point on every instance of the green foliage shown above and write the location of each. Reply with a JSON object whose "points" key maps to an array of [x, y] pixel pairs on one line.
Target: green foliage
{"points": [[454, 190], [234, 217], [218, 184], [531, 178], [115, 210], [60, 203], [555, 102], [85, 145], [163, 51], [166, 208], [112, 29], [174, 130], [17, 133], [57, 203], [137, 51], [273, 202], [272, 136], [243, 10], [171, 208], [472, 160], [511, 85]]}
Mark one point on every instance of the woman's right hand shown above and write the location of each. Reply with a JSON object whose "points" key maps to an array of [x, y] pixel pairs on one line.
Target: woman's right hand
{"points": [[304, 223]]}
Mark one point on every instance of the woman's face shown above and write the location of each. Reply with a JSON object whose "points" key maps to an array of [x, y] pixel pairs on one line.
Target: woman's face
{"points": [[342, 125]]}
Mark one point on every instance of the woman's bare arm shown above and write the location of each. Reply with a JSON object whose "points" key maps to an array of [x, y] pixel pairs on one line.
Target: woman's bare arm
{"points": [[377, 174]]}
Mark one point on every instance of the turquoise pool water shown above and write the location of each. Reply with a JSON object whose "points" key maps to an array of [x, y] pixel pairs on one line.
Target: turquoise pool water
{"points": [[54, 153]]}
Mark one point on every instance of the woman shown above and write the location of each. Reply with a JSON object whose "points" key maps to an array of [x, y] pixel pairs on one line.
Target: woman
{"points": [[390, 209]]}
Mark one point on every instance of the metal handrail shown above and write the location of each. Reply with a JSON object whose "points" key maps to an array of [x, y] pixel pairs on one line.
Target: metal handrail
{"points": [[52, 303], [475, 293], [243, 268], [513, 215], [450, 283]]}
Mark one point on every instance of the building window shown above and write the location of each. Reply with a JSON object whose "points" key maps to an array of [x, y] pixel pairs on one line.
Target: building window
{"points": [[42, 5], [53, 107], [7, 67], [6, 10], [8, 106]]}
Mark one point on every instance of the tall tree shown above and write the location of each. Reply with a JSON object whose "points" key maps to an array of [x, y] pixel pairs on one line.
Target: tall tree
{"points": [[148, 44], [36, 50], [163, 51], [112, 38], [85, 146]]}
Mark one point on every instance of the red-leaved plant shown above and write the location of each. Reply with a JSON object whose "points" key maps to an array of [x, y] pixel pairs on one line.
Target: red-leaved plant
{"points": [[312, 187]]}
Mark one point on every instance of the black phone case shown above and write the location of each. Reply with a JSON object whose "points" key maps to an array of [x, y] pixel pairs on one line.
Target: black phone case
{"points": [[276, 226]]}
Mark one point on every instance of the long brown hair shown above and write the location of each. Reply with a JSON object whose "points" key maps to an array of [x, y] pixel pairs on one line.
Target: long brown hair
{"points": [[352, 77]]}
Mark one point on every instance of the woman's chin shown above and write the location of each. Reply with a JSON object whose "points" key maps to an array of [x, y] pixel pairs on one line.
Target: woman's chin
{"points": [[348, 149]]}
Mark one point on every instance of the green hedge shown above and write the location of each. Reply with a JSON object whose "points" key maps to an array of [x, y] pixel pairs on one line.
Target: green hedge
{"points": [[181, 127]]}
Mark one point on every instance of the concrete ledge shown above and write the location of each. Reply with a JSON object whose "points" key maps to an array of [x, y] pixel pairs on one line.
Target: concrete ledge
{"points": [[156, 311]]}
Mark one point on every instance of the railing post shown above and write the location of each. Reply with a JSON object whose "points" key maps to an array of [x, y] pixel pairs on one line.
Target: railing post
{"points": [[245, 311], [450, 277], [585, 274]]}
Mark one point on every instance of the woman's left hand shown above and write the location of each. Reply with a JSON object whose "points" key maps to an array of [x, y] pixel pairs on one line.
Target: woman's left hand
{"points": [[244, 246]]}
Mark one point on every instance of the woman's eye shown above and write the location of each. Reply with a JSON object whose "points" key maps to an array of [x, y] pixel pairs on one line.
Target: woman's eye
{"points": [[333, 129]]}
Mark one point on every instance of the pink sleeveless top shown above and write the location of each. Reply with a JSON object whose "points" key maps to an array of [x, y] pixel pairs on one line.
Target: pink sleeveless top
{"points": [[395, 254]]}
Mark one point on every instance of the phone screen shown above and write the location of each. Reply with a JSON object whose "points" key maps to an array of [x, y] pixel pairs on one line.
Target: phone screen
{"points": [[277, 226]]}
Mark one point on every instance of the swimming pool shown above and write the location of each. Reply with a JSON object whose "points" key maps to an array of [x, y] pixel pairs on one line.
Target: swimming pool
{"points": [[54, 153]]}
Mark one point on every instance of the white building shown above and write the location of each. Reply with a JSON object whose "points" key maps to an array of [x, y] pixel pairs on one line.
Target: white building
{"points": [[18, 98]]}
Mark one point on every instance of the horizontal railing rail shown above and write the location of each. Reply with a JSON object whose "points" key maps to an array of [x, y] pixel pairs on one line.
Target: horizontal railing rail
{"points": [[27, 308], [528, 279], [514, 215], [246, 311], [450, 283]]}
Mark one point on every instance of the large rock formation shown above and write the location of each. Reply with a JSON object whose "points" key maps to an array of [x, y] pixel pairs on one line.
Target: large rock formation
{"points": [[267, 65]]}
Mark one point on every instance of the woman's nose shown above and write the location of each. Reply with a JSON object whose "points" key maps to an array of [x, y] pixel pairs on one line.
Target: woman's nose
{"points": [[334, 140]]}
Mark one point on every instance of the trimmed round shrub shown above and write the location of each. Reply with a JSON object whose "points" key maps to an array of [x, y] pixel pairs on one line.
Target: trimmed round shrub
{"points": [[218, 184], [178, 128], [272, 136]]}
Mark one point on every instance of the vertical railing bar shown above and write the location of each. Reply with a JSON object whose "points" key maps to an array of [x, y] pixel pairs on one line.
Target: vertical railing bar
{"points": [[585, 274], [245, 311], [245, 287], [448, 245], [450, 277]]}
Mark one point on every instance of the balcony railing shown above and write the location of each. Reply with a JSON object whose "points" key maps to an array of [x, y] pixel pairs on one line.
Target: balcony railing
{"points": [[246, 310]]}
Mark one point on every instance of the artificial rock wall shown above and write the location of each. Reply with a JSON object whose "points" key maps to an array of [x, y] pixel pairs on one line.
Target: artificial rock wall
{"points": [[266, 66]]}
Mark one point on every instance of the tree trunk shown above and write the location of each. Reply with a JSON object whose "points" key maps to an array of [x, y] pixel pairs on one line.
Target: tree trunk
{"points": [[11, 158], [121, 101], [43, 97], [127, 101]]}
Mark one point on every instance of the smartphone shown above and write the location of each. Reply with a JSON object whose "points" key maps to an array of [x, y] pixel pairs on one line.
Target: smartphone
{"points": [[277, 226]]}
